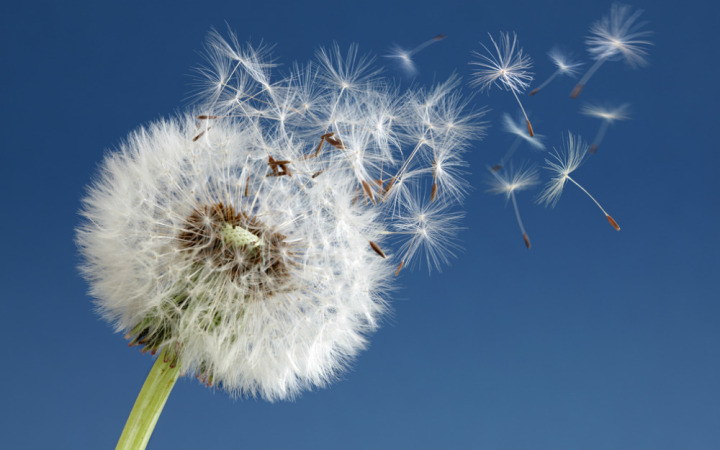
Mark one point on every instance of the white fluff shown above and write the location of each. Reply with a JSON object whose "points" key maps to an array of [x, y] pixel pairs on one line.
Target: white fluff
{"points": [[227, 238]]}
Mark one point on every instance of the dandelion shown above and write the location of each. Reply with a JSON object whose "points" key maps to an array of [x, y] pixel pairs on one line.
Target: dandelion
{"points": [[404, 57], [246, 241], [519, 131], [608, 115], [511, 181], [507, 68], [564, 162], [615, 36], [199, 250], [565, 66]]}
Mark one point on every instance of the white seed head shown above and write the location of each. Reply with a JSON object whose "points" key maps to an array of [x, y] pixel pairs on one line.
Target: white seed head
{"points": [[565, 65], [564, 161], [607, 113], [263, 294], [617, 35], [511, 180], [506, 67], [404, 60]]}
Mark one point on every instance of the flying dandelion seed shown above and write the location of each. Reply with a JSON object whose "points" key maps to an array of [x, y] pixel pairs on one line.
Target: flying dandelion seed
{"points": [[510, 181], [565, 66], [566, 160], [432, 230], [608, 115], [404, 57], [507, 67], [441, 137], [518, 130], [614, 37]]}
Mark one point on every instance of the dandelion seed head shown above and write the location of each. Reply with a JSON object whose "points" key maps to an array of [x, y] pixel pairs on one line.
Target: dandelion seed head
{"points": [[404, 60], [433, 230], [564, 63], [618, 35], [505, 65], [607, 113], [562, 163], [511, 180], [353, 71], [257, 293]]}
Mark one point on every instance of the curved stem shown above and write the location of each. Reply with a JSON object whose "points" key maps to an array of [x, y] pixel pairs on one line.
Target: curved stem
{"points": [[529, 127], [149, 404], [599, 136], [586, 77], [552, 77]]}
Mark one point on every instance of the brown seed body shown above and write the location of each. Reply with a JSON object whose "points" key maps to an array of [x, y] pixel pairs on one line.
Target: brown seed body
{"points": [[613, 223], [575, 92], [399, 268], [368, 190], [200, 134], [377, 249]]}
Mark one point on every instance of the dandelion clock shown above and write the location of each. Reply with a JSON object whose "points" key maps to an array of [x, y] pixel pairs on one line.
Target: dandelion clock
{"points": [[248, 241]]}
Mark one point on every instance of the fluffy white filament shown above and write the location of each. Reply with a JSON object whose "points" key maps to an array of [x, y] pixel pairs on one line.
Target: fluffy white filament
{"points": [[246, 237], [297, 331]]}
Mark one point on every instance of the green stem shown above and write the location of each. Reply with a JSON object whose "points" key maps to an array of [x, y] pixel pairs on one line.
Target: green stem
{"points": [[149, 405]]}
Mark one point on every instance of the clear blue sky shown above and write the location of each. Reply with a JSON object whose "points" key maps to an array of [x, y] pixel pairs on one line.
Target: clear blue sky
{"points": [[593, 339]]}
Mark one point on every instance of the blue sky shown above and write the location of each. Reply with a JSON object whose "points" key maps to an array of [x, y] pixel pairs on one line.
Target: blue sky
{"points": [[593, 339]]}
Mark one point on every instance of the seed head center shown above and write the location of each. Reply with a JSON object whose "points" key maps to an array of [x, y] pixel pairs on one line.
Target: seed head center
{"points": [[239, 237]]}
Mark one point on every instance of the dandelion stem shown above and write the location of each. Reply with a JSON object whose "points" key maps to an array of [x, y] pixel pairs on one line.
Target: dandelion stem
{"points": [[149, 404], [530, 129], [610, 219], [552, 77], [519, 220], [599, 136], [439, 37], [586, 77], [514, 146]]}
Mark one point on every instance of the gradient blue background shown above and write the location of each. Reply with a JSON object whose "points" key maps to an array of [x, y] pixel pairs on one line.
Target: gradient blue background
{"points": [[593, 339]]}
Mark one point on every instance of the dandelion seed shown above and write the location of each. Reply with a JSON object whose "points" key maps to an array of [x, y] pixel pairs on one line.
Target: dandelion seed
{"points": [[565, 66], [510, 181], [199, 135], [368, 190], [512, 127], [377, 249], [615, 36], [608, 115], [432, 229], [564, 162], [507, 68], [441, 136], [404, 57], [351, 72]]}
